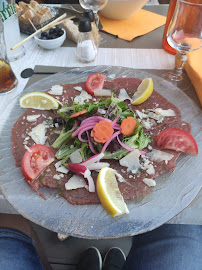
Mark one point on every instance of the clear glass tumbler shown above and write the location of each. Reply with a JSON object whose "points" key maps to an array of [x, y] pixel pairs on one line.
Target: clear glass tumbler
{"points": [[9, 17], [8, 81]]}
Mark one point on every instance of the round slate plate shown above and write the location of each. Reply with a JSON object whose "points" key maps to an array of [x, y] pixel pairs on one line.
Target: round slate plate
{"points": [[173, 192]]}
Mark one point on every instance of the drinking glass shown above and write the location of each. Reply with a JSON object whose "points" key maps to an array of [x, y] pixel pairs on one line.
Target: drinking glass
{"points": [[184, 33], [9, 17], [94, 5], [8, 81]]}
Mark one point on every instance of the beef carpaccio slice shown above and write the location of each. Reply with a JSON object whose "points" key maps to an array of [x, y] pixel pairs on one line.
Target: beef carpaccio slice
{"points": [[133, 187]]}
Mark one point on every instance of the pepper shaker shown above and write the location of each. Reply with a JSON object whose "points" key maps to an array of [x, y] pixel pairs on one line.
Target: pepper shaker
{"points": [[86, 50], [90, 15]]}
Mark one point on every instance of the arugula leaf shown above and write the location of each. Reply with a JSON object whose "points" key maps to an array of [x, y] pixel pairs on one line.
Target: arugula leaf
{"points": [[64, 137], [138, 140], [122, 108], [85, 151], [104, 103], [65, 152], [143, 140], [116, 155]]}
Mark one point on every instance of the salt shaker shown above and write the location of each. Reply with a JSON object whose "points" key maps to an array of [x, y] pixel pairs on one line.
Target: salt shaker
{"points": [[90, 15], [86, 50]]}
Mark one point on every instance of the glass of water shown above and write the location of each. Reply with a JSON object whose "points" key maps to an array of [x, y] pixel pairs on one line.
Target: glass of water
{"points": [[9, 17], [94, 5]]}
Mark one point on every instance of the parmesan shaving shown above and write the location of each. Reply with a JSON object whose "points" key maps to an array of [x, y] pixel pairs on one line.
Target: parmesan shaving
{"points": [[38, 134], [123, 95], [56, 90], [131, 161], [28, 149], [159, 156], [149, 182], [78, 88], [82, 98], [76, 157], [33, 118], [75, 182], [60, 168]]}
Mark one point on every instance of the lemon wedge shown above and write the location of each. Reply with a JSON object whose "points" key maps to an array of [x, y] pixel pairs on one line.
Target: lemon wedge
{"points": [[109, 193], [144, 91], [38, 100]]}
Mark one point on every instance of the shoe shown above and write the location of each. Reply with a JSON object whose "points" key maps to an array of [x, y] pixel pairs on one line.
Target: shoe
{"points": [[114, 259], [91, 259]]}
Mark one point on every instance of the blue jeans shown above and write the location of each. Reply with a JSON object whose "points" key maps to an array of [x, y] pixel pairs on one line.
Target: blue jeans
{"points": [[17, 251], [170, 247]]}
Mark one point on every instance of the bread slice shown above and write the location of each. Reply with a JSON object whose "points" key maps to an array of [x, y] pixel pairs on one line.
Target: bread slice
{"points": [[72, 31], [35, 5], [23, 20], [19, 10], [37, 18], [47, 14], [29, 14], [40, 17]]}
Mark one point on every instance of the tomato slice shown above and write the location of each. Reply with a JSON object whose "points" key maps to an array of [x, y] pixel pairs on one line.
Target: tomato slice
{"points": [[35, 160], [177, 139], [95, 81]]}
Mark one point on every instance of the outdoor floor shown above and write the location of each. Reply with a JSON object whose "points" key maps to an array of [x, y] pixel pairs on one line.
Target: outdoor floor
{"points": [[64, 255]]}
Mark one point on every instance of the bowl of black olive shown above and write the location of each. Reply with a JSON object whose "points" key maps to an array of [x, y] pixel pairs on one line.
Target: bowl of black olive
{"points": [[52, 38]]}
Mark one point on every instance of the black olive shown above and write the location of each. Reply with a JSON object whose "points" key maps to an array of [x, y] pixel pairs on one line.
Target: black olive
{"points": [[52, 30], [52, 36], [57, 29], [44, 34], [60, 33], [58, 120]]}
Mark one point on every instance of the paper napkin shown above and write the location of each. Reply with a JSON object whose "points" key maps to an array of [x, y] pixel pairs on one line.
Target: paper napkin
{"points": [[193, 68], [140, 24]]}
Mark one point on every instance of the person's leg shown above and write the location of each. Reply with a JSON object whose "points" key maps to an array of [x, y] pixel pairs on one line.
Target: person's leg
{"points": [[170, 247], [17, 245]]}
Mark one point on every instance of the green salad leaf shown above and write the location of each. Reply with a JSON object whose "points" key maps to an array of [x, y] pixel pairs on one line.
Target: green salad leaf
{"points": [[64, 138]]}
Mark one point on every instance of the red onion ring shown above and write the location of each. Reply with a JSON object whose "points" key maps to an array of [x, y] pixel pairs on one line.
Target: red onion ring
{"points": [[91, 144], [93, 159], [82, 128], [124, 146], [128, 148], [115, 120], [110, 139], [96, 118], [80, 139], [75, 125]]}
